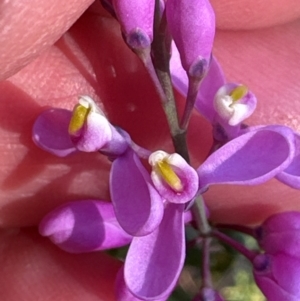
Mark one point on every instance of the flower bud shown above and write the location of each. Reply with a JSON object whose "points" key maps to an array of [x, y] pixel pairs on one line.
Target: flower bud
{"points": [[89, 129], [84, 226], [280, 233], [278, 276], [136, 19], [234, 103], [192, 26], [173, 177]]}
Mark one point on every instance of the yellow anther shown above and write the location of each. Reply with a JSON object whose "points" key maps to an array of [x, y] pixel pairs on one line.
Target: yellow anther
{"points": [[168, 174], [238, 93], [78, 118]]}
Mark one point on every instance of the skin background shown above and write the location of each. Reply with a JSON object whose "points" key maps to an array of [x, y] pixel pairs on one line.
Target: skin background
{"points": [[256, 43]]}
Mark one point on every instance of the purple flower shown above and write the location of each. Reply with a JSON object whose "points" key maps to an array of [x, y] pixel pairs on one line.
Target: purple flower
{"points": [[278, 276], [156, 219], [62, 132], [84, 226], [245, 156], [280, 233], [224, 105], [151, 208]]}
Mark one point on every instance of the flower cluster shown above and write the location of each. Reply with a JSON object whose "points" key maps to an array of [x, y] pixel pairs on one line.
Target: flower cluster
{"points": [[148, 210]]}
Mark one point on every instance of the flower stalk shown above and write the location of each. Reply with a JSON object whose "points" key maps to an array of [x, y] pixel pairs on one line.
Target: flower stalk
{"points": [[161, 58], [250, 255]]}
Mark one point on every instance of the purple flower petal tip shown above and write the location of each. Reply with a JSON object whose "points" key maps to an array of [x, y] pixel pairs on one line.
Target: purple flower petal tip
{"points": [[291, 175], [136, 19], [173, 177], [50, 132], [122, 291], [84, 226], [280, 233], [138, 206], [278, 276], [249, 159], [154, 262], [192, 26]]}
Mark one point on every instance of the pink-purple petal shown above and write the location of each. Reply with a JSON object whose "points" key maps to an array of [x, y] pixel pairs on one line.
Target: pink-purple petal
{"points": [[50, 132], [192, 26], [279, 279], [84, 226], [291, 175], [249, 159], [280, 233], [138, 206], [122, 291], [154, 262]]}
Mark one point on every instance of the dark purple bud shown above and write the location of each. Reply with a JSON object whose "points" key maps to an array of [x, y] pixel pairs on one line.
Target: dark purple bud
{"points": [[280, 233], [136, 19], [192, 26], [278, 276]]}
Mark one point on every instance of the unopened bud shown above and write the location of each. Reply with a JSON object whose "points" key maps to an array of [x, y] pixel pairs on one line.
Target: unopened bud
{"points": [[84, 226], [192, 26], [136, 19]]}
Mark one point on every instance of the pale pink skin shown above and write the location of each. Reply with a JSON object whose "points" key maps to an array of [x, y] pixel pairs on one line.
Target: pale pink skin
{"points": [[33, 182]]}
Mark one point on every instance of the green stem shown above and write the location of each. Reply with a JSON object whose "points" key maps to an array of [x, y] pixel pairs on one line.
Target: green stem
{"points": [[234, 244], [161, 58], [199, 214], [193, 89], [206, 275]]}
